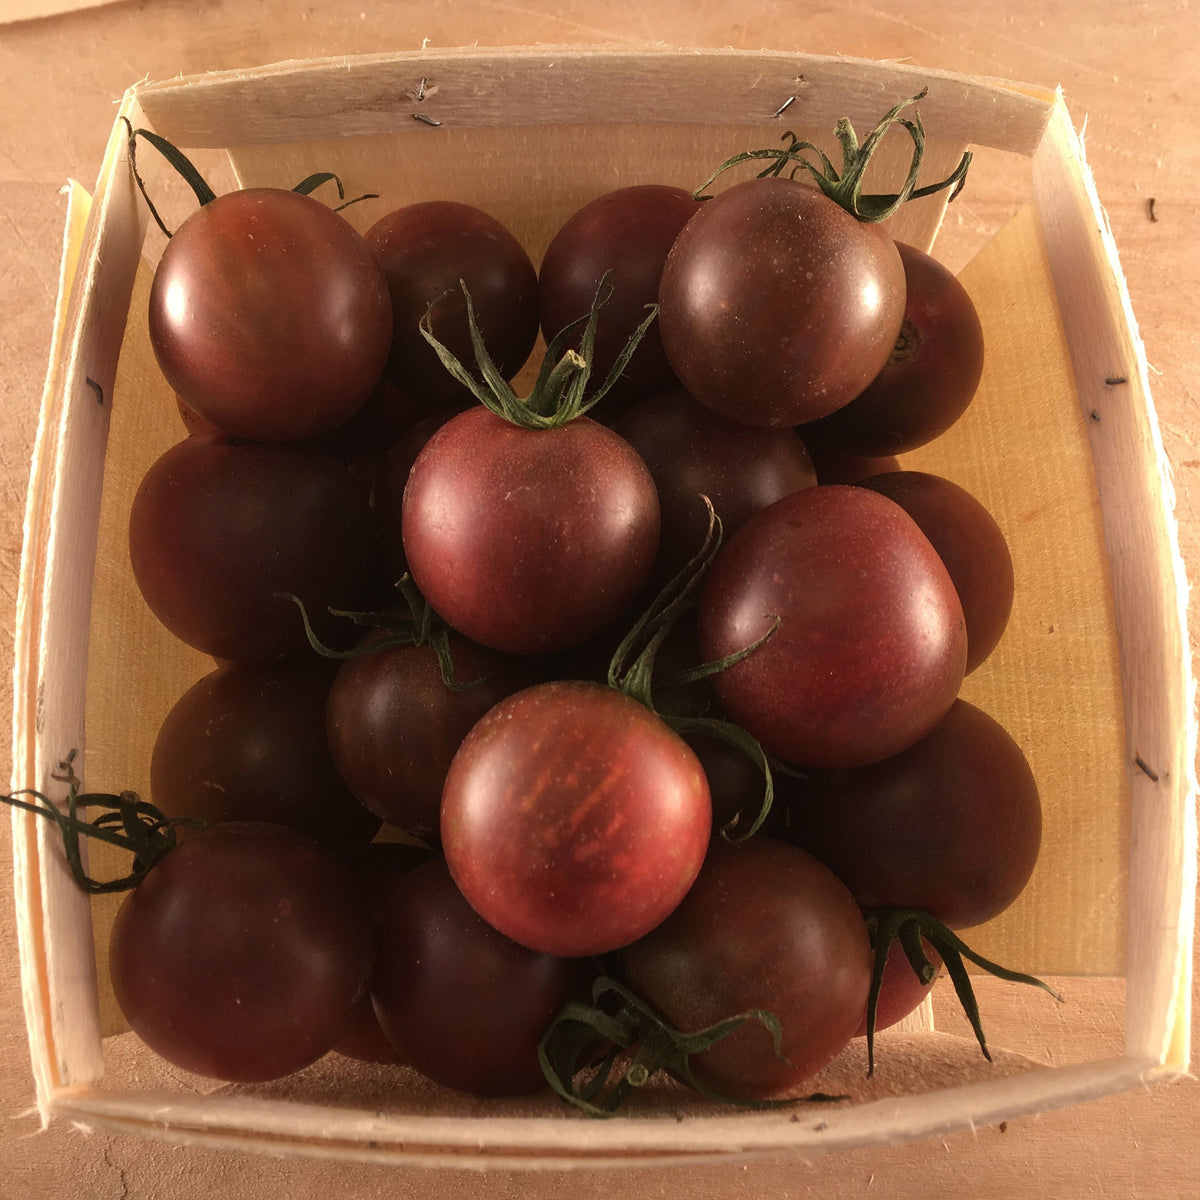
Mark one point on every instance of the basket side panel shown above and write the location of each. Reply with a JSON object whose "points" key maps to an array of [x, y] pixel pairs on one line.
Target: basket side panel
{"points": [[1150, 593]]}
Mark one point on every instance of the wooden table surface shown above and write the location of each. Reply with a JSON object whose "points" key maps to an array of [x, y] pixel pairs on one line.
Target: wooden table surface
{"points": [[1127, 69]]}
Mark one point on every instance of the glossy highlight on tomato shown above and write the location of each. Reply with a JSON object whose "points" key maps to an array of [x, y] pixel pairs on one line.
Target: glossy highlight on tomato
{"points": [[870, 645], [574, 819], [269, 315], [777, 305]]}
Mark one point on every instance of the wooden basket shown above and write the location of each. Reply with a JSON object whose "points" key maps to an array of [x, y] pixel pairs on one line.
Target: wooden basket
{"points": [[1092, 678]]}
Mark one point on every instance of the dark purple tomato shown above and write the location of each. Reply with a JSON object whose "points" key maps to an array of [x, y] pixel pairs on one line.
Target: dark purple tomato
{"points": [[242, 954], [424, 250], [219, 528], [832, 466], [765, 926], [971, 544], [624, 235], [377, 868], [462, 1003], [393, 723], [390, 482], [777, 305], [247, 743], [930, 378], [951, 825], [870, 646], [269, 316], [692, 452], [573, 819], [529, 541], [901, 991]]}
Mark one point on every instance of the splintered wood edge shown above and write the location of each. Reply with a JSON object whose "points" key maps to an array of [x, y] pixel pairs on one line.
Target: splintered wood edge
{"points": [[1149, 589], [473, 87]]}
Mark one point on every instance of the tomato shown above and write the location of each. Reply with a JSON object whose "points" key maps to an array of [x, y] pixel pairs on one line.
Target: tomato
{"points": [[930, 378], [424, 251], [951, 826], [765, 926], [777, 305], [692, 452], [393, 723], [529, 540], [377, 866], [219, 528], [621, 237], [971, 544], [247, 743], [242, 953], [870, 646], [269, 316], [573, 819], [462, 1003]]}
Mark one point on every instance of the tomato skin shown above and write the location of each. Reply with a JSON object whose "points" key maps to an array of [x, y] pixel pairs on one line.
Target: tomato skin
{"points": [[269, 316], [460, 1002], [219, 528], [573, 819], [424, 250], [971, 544], [929, 379], [870, 648], [625, 235], [763, 927], [242, 954], [246, 742], [777, 305], [528, 541], [952, 825], [393, 725], [693, 452]]}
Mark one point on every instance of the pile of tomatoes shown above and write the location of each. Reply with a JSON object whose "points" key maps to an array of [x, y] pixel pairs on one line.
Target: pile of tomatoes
{"points": [[545, 665]]}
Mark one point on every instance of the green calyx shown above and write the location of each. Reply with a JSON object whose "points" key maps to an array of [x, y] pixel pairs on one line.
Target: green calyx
{"points": [[559, 393], [126, 821], [410, 622], [844, 187], [190, 174], [623, 1022], [910, 927], [631, 670]]}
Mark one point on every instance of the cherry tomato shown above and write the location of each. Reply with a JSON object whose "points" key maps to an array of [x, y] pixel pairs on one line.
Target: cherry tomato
{"points": [[623, 238], [930, 378], [424, 251], [242, 953], [573, 819], [247, 743], [951, 825], [393, 722], [218, 529], [529, 540], [971, 544], [692, 452], [777, 305], [870, 646], [377, 866], [269, 316], [462, 1003], [765, 926]]}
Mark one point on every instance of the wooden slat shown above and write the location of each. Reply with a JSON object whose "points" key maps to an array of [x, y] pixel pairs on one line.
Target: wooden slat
{"points": [[365, 95]]}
